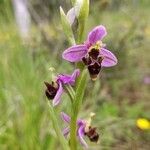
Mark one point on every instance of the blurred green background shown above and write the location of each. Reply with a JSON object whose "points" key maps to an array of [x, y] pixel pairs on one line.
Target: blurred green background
{"points": [[119, 97]]}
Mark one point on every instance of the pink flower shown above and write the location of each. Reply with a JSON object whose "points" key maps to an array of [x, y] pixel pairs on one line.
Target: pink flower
{"points": [[55, 89], [83, 129], [93, 52]]}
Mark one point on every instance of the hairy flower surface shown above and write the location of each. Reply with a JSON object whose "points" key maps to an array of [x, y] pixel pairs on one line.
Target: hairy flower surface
{"points": [[83, 129], [93, 52], [54, 89]]}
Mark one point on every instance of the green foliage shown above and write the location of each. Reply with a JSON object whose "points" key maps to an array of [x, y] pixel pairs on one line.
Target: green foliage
{"points": [[67, 27], [7, 13], [82, 14]]}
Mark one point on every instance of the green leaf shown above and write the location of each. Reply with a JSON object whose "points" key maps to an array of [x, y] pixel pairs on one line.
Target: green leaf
{"points": [[67, 27], [82, 12], [57, 128], [80, 89]]}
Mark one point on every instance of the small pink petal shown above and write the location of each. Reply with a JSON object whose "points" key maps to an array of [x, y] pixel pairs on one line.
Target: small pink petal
{"points": [[65, 78], [75, 53], [65, 117], [109, 58], [81, 135], [57, 97], [66, 131], [81, 122], [74, 75], [69, 79], [97, 34]]}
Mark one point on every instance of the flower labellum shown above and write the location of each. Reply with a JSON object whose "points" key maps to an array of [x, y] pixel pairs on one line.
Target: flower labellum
{"points": [[92, 53], [83, 129], [55, 89], [92, 134], [51, 89]]}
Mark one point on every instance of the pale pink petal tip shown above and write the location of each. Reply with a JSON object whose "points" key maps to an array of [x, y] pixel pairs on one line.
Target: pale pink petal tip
{"points": [[75, 53], [98, 33]]}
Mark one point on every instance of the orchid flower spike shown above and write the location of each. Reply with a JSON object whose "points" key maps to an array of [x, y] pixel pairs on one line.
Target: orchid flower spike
{"points": [[55, 88], [83, 129], [92, 53]]}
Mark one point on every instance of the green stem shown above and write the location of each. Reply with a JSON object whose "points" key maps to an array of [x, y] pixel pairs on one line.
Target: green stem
{"points": [[73, 140], [80, 32], [80, 89], [55, 123], [82, 18], [70, 91], [81, 83]]}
